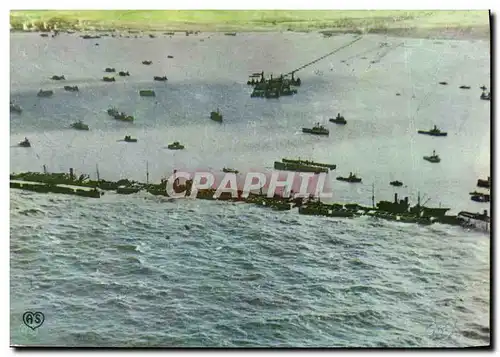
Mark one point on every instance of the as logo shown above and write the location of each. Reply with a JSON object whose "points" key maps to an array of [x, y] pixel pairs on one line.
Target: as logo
{"points": [[33, 319]]}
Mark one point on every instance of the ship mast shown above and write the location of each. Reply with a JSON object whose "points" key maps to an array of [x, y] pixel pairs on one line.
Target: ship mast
{"points": [[97, 172], [147, 172], [373, 195]]}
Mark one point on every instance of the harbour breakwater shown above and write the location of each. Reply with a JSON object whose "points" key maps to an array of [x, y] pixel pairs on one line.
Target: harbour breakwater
{"points": [[400, 211]]}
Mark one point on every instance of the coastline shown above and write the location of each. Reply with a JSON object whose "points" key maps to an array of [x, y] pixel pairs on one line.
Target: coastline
{"points": [[459, 25]]}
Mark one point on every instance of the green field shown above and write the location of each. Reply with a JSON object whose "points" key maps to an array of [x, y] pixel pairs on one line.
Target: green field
{"points": [[245, 20]]}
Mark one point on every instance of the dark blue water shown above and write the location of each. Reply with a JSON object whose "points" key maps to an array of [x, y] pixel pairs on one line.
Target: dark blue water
{"points": [[145, 271]]}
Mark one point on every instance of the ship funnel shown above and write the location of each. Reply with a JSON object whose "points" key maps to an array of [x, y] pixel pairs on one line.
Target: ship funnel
{"points": [[71, 174], [406, 200], [395, 198]]}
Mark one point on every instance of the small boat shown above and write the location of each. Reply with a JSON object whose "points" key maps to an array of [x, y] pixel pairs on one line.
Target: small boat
{"points": [[129, 139], [151, 36], [351, 178], [433, 158], [483, 88], [338, 120], [71, 88], [170, 56], [443, 83], [484, 183], [25, 143], [216, 116], [123, 117], [317, 130], [161, 79], [233, 171], [108, 79], [486, 96], [90, 37], [481, 198], [175, 146], [147, 93], [45, 93], [147, 63], [230, 34], [44, 35], [58, 78], [464, 87], [396, 183], [123, 74], [433, 132], [79, 125], [15, 108], [109, 70]]}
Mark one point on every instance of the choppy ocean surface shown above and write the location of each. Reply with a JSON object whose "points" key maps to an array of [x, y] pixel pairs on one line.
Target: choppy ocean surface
{"points": [[146, 271]]}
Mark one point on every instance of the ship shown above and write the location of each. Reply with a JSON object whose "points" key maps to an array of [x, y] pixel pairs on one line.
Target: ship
{"points": [[216, 116], [160, 79], [129, 139], [352, 178], [108, 79], [464, 87], [71, 88], [79, 125], [299, 167], [45, 93], [433, 132], [484, 183], [109, 70], [396, 183], [317, 130], [433, 158], [338, 120], [147, 63], [147, 93], [226, 170], [175, 146], [123, 74], [25, 143], [58, 78], [307, 162]]}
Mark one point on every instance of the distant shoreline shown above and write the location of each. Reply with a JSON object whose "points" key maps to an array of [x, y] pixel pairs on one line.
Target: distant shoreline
{"points": [[477, 33], [417, 24]]}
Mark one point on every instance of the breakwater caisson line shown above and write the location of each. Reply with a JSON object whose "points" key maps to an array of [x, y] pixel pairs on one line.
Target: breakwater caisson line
{"points": [[398, 210]]}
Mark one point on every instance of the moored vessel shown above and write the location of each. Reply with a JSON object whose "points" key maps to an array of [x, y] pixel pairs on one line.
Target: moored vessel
{"points": [[434, 158], [317, 130]]}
